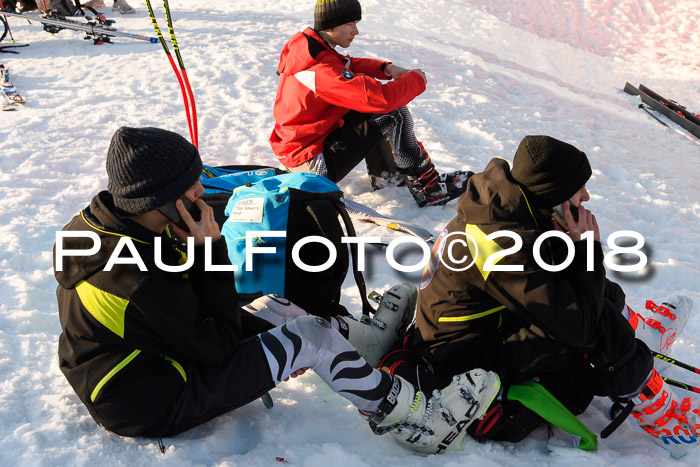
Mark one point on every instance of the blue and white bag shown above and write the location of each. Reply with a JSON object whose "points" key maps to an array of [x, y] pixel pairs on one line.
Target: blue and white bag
{"points": [[300, 205]]}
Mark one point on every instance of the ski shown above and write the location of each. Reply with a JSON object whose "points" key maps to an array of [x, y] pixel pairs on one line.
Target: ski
{"points": [[675, 106], [9, 90], [97, 29], [667, 109], [363, 213], [652, 113]]}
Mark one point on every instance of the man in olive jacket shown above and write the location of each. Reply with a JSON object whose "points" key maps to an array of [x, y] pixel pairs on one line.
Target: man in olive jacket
{"points": [[501, 303]]}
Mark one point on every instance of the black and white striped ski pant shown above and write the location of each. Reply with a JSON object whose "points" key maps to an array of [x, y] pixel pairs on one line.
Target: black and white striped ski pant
{"points": [[311, 342]]}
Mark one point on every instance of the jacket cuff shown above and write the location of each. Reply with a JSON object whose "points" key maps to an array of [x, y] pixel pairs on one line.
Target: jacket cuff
{"points": [[384, 68]]}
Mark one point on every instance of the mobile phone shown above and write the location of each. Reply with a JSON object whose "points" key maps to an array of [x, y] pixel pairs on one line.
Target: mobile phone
{"points": [[558, 214], [170, 211]]}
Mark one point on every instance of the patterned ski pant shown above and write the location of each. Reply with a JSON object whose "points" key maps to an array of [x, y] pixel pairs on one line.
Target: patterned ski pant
{"points": [[397, 127], [304, 341], [311, 342], [361, 137]]}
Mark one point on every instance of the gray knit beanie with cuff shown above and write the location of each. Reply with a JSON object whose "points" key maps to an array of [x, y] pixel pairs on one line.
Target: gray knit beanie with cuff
{"points": [[150, 167]]}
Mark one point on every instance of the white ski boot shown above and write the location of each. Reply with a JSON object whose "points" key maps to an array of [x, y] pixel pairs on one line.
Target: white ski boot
{"points": [[375, 337], [665, 323], [431, 426], [673, 422]]}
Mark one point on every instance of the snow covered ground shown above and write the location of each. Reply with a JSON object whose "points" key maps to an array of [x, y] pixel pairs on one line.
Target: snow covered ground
{"points": [[497, 71]]}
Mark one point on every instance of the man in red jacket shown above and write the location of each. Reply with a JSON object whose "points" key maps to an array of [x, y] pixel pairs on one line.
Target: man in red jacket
{"points": [[331, 111]]}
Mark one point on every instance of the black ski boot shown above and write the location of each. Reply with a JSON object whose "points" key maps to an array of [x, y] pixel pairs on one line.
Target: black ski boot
{"points": [[430, 188], [381, 168]]}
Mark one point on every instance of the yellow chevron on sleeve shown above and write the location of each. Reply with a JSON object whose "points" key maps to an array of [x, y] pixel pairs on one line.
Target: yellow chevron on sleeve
{"points": [[105, 307], [485, 248]]}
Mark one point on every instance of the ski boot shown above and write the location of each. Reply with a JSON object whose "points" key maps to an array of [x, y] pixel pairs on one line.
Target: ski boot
{"points": [[122, 7], [666, 322], [95, 4], [674, 423], [381, 168], [430, 188], [431, 426], [375, 337]]}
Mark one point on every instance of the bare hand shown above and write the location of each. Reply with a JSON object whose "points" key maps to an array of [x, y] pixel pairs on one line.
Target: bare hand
{"points": [[205, 227], [394, 71], [586, 222], [299, 372]]}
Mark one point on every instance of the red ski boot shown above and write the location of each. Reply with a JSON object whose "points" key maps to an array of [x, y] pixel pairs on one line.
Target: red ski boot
{"points": [[673, 422]]}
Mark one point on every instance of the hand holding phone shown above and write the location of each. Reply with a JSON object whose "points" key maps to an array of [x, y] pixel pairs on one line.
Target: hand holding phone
{"points": [[560, 218], [170, 211], [202, 224]]}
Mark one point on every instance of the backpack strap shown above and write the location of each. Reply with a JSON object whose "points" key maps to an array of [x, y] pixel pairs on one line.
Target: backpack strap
{"points": [[359, 278], [619, 412]]}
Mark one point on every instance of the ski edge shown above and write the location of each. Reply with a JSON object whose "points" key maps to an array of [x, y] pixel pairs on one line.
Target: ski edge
{"points": [[663, 110], [671, 104]]}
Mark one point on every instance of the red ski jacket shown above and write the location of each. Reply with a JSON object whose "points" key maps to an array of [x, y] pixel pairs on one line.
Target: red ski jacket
{"points": [[318, 86]]}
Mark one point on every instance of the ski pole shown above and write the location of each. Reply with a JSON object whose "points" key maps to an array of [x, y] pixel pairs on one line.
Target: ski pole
{"points": [[673, 361], [9, 30], [678, 384], [7, 24], [180, 62], [685, 366], [174, 67]]}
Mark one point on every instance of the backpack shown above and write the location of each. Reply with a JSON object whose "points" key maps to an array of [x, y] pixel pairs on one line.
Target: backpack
{"points": [[300, 204], [528, 404]]}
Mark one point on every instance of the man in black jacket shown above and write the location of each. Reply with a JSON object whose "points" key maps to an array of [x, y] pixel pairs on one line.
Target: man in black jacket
{"points": [[500, 303], [154, 342]]}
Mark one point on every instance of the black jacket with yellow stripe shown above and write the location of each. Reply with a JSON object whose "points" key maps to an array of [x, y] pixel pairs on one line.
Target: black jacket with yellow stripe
{"points": [[129, 336], [461, 314]]}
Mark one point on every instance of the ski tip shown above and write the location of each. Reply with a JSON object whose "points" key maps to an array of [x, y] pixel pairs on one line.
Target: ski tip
{"points": [[153, 40]]}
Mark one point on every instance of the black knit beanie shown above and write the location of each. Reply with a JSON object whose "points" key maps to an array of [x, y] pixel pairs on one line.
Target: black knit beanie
{"points": [[549, 171], [331, 13], [150, 167]]}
